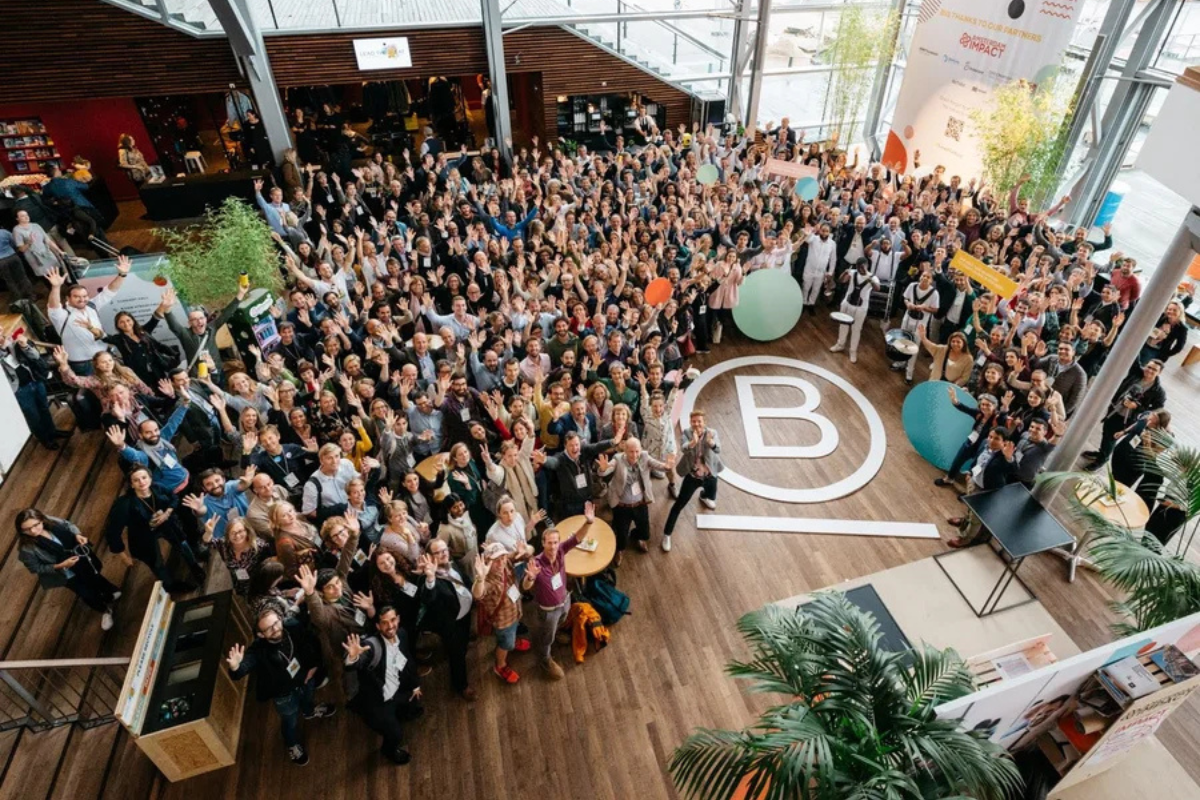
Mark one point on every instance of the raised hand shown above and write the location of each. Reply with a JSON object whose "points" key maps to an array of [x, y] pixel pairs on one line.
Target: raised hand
{"points": [[209, 528], [589, 511], [236, 653], [195, 502], [116, 435], [307, 579], [354, 648]]}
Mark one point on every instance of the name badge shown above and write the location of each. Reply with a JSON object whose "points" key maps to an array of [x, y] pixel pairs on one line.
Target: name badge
{"points": [[360, 617], [293, 668], [581, 481], [169, 461], [556, 582], [291, 480], [464, 414], [409, 589], [703, 309], [241, 574], [973, 438], [360, 558], [514, 593], [636, 490]]}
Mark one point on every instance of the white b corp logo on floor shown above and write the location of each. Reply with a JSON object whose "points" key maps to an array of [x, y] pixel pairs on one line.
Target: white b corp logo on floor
{"points": [[752, 415]]}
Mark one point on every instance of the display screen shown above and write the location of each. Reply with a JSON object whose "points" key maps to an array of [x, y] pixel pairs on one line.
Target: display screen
{"points": [[184, 673], [266, 334], [198, 612]]}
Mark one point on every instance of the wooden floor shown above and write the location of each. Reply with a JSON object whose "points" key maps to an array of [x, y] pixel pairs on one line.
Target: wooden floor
{"points": [[607, 730]]}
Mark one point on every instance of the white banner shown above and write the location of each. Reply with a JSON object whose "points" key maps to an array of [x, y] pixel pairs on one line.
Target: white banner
{"points": [[389, 53], [961, 50]]}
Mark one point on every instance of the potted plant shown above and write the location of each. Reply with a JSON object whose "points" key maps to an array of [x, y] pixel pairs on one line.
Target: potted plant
{"points": [[205, 261], [1159, 583], [864, 38], [857, 723], [1022, 137]]}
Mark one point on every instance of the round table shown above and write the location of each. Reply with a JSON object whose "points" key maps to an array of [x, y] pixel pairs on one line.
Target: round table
{"points": [[428, 469], [1129, 510], [580, 563]]}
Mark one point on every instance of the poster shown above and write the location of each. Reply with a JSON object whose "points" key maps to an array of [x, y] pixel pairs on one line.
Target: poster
{"points": [[961, 51], [1015, 711], [389, 53], [139, 295]]}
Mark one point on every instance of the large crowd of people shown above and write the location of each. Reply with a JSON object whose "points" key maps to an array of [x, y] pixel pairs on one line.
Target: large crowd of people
{"points": [[466, 357]]}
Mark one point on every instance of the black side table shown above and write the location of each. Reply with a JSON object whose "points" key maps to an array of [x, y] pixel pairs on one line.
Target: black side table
{"points": [[1022, 527]]}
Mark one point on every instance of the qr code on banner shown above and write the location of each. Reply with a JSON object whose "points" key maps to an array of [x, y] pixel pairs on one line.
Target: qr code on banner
{"points": [[954, 128]]}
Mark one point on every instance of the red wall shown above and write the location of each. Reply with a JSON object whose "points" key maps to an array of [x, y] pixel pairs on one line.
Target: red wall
{"points": [[91, 128]]}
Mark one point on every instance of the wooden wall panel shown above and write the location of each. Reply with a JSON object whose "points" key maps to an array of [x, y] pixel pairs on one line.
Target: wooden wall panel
{"points": [[328, 58], [77, 49], [572, 65], [568, 63]]}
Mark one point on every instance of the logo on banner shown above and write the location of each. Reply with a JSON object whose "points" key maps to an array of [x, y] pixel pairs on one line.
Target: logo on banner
{"points": [[791, 376], [982, 44]]}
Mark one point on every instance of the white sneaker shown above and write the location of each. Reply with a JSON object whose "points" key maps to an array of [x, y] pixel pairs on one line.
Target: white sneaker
{"points": [[711, 505], [666, 544], [854, 358], [106, 621], [837, 348]]}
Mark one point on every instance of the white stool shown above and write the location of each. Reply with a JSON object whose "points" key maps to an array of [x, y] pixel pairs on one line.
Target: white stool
{"points": [[194, 161]]}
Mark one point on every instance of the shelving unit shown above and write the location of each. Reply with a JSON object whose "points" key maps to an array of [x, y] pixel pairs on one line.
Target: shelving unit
{"points": [[26, 145], [579, 116]]}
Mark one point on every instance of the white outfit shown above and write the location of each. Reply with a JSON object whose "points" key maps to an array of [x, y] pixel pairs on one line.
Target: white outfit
{"points": [[822, 257], [858, 297], [78, 341], [914, 295]]}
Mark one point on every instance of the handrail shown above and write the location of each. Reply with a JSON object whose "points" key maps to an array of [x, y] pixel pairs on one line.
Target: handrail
{"points": [[44, 694], [703, 45], [65, 662]]}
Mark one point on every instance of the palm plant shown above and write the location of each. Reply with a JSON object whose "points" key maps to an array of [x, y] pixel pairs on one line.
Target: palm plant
{"points": [[858, 724], [1159, 583]]}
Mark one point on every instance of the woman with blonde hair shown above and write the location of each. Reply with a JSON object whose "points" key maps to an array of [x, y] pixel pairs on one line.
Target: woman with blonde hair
{"points": [[296, 541], [240, 549], [107, 374]]}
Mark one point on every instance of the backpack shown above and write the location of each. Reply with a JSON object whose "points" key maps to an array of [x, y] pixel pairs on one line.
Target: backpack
{"points": [[325, 512], [609, 601]]}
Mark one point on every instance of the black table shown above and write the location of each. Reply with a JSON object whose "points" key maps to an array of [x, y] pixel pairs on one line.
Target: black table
{"points": [[187, 197], [1022, 527]]}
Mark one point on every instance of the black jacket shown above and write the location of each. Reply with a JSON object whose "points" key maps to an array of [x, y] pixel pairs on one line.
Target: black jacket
{"points": [[270, 661], [372, 671], [440, 604]]}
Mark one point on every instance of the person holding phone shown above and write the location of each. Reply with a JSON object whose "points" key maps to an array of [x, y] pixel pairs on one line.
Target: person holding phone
{"points": [[60, 555]]}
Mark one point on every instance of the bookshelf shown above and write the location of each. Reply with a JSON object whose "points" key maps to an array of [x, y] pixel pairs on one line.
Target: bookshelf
{"points": [[578, 116], [26, 145]]}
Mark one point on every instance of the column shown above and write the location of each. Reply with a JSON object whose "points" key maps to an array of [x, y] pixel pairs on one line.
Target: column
{"points": [[247, 42], [493, 34], [754, 95], [1100, 391]]}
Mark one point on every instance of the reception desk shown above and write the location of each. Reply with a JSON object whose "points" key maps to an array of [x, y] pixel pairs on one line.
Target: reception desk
{"points": [[188, 197]]}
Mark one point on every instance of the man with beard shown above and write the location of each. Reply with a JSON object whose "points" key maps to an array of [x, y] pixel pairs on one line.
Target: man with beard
{"points": [[820, 262], [155, 450], [287, 659], [389, 691]]}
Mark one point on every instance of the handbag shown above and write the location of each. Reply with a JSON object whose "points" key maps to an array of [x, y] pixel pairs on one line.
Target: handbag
{"points": [[687, 347]]}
